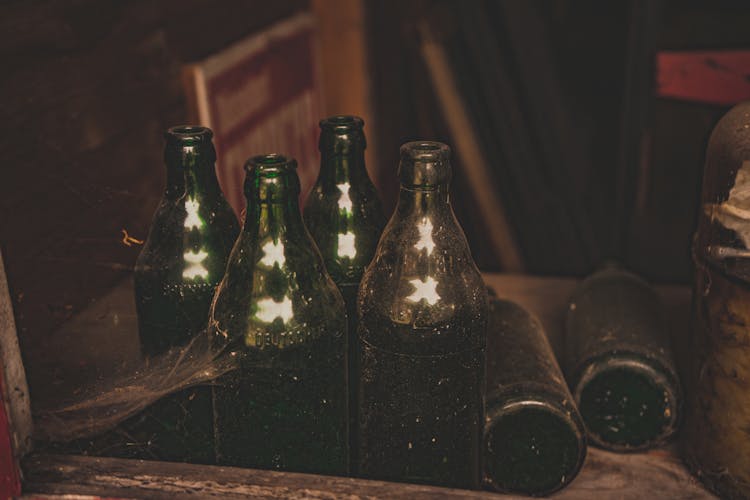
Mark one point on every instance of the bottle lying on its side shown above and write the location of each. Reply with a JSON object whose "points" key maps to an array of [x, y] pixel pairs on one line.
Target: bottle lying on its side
{"points": [[619, 362], [534, 438]]}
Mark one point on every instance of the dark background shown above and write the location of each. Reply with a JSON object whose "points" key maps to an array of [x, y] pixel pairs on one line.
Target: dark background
{"points": [[588, 162]]}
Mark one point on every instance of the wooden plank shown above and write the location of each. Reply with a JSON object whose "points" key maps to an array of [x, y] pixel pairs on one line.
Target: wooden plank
{"points": [[343, 55], [15, 411], [500, 232], [345, 68], [554, 147], [261, 94], [711, 76], [605, 476], [59, 474]]}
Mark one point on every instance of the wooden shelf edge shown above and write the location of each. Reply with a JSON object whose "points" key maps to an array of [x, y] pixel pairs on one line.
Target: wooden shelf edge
{"points": [[123, 478], [605, 475]]}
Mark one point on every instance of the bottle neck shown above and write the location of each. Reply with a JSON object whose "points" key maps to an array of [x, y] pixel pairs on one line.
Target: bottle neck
{"points": [[191, 171], [340, 168], [272, 209], [418, 201]]}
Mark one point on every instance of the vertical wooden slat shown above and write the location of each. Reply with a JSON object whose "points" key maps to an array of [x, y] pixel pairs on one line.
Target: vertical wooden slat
{"points": [[344, 64], [15, 411], [499, 230]]}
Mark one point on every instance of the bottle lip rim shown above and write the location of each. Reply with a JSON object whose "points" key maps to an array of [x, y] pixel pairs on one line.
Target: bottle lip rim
{"points": [[342, 123], [659, 374], [627, 360], [425, 151], [536, 402], [270, 162], [189, 134]]}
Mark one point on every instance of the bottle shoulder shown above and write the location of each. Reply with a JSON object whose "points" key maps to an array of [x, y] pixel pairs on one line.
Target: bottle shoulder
{"points": [[187, 234], [423, 291], [276, 291], [346, 230]]}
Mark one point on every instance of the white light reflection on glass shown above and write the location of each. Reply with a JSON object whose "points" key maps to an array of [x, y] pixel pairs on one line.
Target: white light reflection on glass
{"points": [[424, 290], [346, 245], [193, 220], [269, 310], [425, 236], [194, 268], [345, 202], [273, 253]]}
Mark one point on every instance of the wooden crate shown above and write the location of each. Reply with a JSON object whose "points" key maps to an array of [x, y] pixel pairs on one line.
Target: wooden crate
{"points": [[604, 475]]}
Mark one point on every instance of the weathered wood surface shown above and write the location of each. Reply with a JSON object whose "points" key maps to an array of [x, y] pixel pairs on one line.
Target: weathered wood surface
{"points": [[605, 475], [15, 389], [476, 166]]}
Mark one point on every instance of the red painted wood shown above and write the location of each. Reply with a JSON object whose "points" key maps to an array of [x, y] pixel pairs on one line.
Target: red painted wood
{"points": [[262, 95], [716, 77], [10, 479]]}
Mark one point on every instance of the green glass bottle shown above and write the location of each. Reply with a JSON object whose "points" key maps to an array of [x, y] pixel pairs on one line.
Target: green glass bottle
{"points": [[176, 274], [619, 362], [422, 320], [188, 245], [534, 438], [344, 216], [280, 313]]}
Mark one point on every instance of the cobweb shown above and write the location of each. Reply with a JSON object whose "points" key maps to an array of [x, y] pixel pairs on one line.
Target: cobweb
{"points": [[104, 405]]}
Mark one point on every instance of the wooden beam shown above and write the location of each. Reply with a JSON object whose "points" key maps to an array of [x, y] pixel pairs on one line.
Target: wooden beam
{"points": [[605, 476], [16, 394], [15, 410], [344, 66], [121, 478], [500, 232]]}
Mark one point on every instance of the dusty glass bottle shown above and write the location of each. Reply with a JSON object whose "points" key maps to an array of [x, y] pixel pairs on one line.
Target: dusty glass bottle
{"points": [[619, 361], [280, 313], [344, 216], [188, 245], [422, 319], [176, 274], [534, 438]]}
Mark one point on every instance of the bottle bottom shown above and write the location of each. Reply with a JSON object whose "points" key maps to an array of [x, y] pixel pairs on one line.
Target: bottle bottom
{"points": [[627, 402], [532, 448]]}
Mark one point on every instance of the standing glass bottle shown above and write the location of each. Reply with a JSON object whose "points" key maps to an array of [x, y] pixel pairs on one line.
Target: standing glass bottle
{"points": [[422, 319], [280, 313], [188, 245], [176, 274], [344, 216]]}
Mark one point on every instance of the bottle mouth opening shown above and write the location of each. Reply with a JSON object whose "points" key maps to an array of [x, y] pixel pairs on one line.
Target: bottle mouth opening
{"points": [[425, 165], [530, 445], [425, 151], [628, 402], [272, 161], [342, 123], [273, 168], [189, 134]]}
